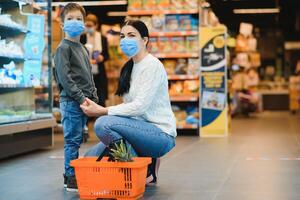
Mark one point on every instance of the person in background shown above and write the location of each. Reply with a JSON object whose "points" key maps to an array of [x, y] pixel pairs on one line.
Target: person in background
{"points": [[97, 46], [145, 121], [74, 77]]}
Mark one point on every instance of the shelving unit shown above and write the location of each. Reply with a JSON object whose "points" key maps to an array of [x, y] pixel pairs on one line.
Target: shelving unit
{"points": [[181, 100]]}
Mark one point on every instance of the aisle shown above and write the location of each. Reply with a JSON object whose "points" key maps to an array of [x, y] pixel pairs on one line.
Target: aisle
{"points": [[260, 161]]}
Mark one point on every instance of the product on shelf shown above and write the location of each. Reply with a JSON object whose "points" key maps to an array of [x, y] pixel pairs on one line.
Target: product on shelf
{"points": [[189, 115], [163, 4], [135, 4], [10, 75], [191, 4], [149, 4], [165, 44], [185, 22], [10, 50], [5, 20], [172, 23], [190, 87], [181, 66], [178, 44], [177, 4], [193, 66], [153, 45], [241, 43], [242, 59], [170, 66], [176, 88], [246, 29], [255, 59], [158, 22], [252, 43], [192, 44], [148, 21]]}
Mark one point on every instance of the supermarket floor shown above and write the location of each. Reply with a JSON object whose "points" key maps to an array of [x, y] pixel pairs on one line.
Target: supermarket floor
{"points": [[259, 161]]}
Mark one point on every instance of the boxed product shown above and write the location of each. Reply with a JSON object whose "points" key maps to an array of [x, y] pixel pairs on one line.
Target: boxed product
{"points": [[163, 4], [185, 22], [255, 59], [135, 4], [191, 4], [165, 45], [246, 29], [191, 87], [194, 23], [172, 23], [149, 4], [153, 45], [170, 66], [148, 21], [176, 88], [193, 66], [241, 43], [178, 44], [158, 22], [177, 4], [181, 66], [252, 43], [192, 44]]}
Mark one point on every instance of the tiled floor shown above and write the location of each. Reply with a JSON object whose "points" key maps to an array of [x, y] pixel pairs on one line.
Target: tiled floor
{"points": [[260, 160]]}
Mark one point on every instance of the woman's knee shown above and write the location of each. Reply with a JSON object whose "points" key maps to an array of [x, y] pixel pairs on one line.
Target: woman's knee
{"points": [[103, 129]]}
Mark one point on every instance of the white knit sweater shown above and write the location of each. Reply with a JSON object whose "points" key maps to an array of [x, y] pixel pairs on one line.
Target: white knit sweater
{"points": [[148, 98]]}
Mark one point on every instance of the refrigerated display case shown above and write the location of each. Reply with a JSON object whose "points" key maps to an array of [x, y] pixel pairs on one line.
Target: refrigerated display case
{"points": [[26, 121]]}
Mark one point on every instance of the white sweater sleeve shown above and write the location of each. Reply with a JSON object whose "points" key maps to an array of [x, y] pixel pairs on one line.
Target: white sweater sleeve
{"points": [[146, 88]]}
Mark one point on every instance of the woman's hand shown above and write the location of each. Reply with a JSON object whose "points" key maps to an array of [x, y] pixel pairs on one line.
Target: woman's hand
{"points": [[92, 109]]}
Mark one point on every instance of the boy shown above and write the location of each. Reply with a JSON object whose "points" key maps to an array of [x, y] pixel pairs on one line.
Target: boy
{"points": [[75, 81]]}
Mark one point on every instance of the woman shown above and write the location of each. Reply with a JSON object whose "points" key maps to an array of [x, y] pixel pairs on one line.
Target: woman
{"points": [[145, 120], [98, 51]]}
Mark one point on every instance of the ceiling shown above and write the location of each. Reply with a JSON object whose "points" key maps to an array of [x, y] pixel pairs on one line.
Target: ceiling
{"points": [[287, 21]]}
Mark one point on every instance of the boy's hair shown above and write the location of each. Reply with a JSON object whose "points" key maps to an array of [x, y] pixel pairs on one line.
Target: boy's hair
{"points": [[70, 7]]}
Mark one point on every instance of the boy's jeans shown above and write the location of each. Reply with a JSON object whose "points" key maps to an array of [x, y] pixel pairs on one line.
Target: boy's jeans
{"points": [[145, 138], [73, 121]]}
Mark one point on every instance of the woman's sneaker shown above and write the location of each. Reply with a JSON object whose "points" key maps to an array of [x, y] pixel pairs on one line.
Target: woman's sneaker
{"points": [[72, 184], [152, 172]]}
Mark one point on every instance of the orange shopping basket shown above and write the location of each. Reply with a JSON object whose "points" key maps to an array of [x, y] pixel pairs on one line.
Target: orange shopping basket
{"points": [[117, 180]]}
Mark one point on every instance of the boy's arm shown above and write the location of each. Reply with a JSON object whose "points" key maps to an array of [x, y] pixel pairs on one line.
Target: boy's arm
{"points": [[62, 64]]}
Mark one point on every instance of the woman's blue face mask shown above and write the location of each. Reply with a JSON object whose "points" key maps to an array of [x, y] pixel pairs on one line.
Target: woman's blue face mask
{"points": [[130, 46], [73, 28]]}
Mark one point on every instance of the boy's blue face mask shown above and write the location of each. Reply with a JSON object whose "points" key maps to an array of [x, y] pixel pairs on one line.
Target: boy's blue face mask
{"points": [[73, 28], [129, 46]]}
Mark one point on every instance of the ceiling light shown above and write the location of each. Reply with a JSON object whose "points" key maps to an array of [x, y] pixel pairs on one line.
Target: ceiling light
{"points": [[256, 11], [117, 14]]}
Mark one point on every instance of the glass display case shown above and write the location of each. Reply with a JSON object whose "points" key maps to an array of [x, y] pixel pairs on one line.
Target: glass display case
{"points": [[25, 66]]}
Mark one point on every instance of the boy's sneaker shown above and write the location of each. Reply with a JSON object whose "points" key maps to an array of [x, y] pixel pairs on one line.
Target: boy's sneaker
{"points": [[72, 184], [65, 180]]}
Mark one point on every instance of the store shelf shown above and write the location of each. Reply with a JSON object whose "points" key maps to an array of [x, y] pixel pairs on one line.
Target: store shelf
{"points": [[184, 98], [157, 12], [173, 33], [186, 126], [7, 59], [183, 77], [6, 31], [176, 55]]}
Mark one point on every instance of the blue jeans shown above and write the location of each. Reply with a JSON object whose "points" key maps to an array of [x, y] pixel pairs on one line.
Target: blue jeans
{"points": [[73, 121], [145, 139]]}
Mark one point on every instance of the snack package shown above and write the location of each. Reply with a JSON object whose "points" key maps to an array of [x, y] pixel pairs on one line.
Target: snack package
{"points": [[158, 22], [191, 4], [193, 66], [135, 4], [163, 4], [194, 23], [172, 23], [149, 4], [185, 22], [153, 45], [178, 44], [148, 21], [181, 66], [177, 4], [165, 45], [170, 66], [191, 87], [192, 44], [176, 88]]}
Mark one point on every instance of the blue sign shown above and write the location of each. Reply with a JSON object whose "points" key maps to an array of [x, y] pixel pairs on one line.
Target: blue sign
{"points": [[32, 73]]}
